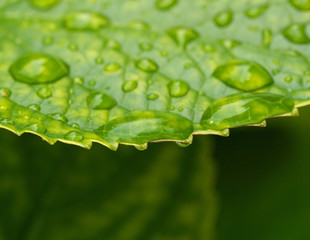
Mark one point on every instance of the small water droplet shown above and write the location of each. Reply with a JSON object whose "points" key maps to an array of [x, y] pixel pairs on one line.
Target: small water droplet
{"points": [[5, 92], [44, 92], [38, 68], [48, 40], [6, 121], [178, 88], [208, 48], [37, 127], [129, 85], [92, 83], [243, 75], [183, 144], [267, 37], [75, 125], [73, 47], [100, 101], [147, 65], [74, 136], [296, 33], [302, 5], [99, 60], [275, 71], [141, 147], [183, 36], [223, 19], [172, 108], [59, 117], [256, 11], [112, 67], [288, 79], [165, 4], [78, 80], [136, 24], [180, 109], [85, 21], [34, 107], [44, 4], [152, 96], [146, 46], [112, 44], [229, 43]]}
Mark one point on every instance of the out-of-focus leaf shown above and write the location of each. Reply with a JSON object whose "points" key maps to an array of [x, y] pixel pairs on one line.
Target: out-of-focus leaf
{"points": [[65, 192]]}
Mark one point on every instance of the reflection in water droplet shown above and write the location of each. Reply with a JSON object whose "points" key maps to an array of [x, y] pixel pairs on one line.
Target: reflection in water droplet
{"points": [[140, 127], [38, 68], [85, 21], [255, 12], [245, 109], [112, 67], [152, 96], [296, 33], [302, 5], [34, 107], [145, 46], [243, 75], [100, 101], [129, 85], [44, 4], [183, 36], [5, 92], [223, 19], [147, 65], [178, 88], [165, 4], [44, 92], [74, 136]]}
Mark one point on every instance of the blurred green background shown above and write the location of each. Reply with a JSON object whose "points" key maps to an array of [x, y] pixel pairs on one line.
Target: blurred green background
{"points": [[253, 185]]}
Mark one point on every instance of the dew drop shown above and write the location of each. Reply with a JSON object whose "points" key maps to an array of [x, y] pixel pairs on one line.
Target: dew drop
{"points": [[255, 12], [37, 127], [48, 40], [112, 67], [34, 107], [302, 5], [92, 83], [99, 60], [139, 25], [245, 109], [5, 92], [6, 121], [180, 109], [296, 33], [44, 92], [141, 147], [112, 44], [267, 37], [38, 68], [129, 85], [165, 4], [74, 136], [223, 19], [100, 101], [152, 96], [75, 125], [243, 75], [229, 43], [208, 48], [183, 144], [59, 117], [288, 79], [85, 21], [147, 65], [78, 80], [178, 88], [44, 4], [183, 36], [145, 46]]}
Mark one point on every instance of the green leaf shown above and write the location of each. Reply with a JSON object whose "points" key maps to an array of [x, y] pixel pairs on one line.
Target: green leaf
{"points": [[132, 72], [70, 193]]}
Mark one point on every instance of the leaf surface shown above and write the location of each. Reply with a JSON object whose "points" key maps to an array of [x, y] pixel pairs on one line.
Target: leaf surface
{"points": [[136, 71]]}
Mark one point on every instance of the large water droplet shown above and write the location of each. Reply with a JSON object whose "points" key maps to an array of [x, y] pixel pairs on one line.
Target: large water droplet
{"points": [[44, 92], [302, 5], [183, 36], [74, 136], [100, 101], [44, 4], [223, 19], [38, 68], [255, 12], [178, 88], [139, 127], [5, 92], [147, 65], [165, 4], [85, 21], [245, 109], [129, 85], [296, 33], [243, 75]]}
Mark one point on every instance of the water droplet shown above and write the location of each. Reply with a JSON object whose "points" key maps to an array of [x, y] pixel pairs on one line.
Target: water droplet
{"points": [[75, 125], [296, 33], [208, 48], [145, 46], [112, 67], [44, 4], [255, 12], [5, 92], [78, 80], [267, 37], [6, 121], [230, 44], [48, 40], [38, 68], [152, 96], [178, 88], [37, 127], [59, 117], [275, 71], [245, 109], [288, 79], [140, 127], [147, 65], [139, 25], [183, 36], [223, 19], [183, 144], [129, 85], [74, 136], [141, 147], [99, 60], [92, 83], [165, 4], [112, 44], [180, 109], [85, 21], [302, 5], [73, 47], [243, 75], [44, 92], [100, 101], [34, 107]]}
